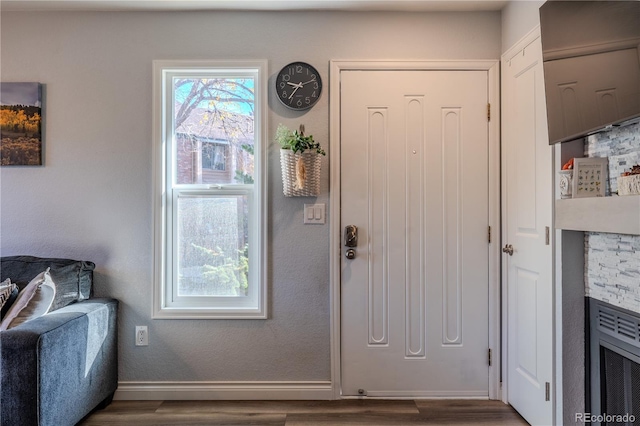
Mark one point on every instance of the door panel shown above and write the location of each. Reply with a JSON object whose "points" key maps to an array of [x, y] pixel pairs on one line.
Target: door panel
{"points": [[414, 180], [526, 289]]}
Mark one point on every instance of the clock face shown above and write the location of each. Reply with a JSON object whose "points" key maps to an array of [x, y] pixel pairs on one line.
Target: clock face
{"points": [[298, 86]]}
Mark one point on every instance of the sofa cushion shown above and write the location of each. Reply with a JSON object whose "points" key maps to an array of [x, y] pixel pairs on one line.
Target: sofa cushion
{"points": [[73, 278], [7, 290], [33, 301]]}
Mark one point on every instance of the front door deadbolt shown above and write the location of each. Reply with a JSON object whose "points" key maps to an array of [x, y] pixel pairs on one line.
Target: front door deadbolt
{"points": [[351, 241], [350, 236]]}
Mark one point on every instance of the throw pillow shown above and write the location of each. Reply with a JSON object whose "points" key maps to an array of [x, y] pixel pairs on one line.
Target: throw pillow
{"points": [[6, 289], [33, 301], [12, 298]]}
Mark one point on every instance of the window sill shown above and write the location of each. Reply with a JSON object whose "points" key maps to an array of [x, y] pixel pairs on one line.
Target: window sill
{"points": [[191, 314]]}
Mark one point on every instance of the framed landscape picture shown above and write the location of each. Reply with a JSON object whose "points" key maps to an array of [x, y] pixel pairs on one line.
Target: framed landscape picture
{"points": [[21, 124], [590, 177]]}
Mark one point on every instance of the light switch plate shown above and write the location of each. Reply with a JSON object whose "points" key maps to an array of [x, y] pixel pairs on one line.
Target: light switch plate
{"points": [[314, 214]]}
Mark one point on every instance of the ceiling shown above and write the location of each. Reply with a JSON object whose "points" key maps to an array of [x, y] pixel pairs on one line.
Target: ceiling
{"points": [[174, 5]]}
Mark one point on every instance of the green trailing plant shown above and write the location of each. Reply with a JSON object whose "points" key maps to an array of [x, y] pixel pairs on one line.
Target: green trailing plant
{"points": [[296, 140]]}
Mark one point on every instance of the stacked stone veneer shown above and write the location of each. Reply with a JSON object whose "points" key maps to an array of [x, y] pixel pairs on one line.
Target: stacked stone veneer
{"points": [[612, 261]]}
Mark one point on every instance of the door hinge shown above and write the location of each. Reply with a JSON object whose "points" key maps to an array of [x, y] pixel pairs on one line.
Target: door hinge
{"points": [[488, 112], [547, 391], [489, 233], [489, 357], [547, 238]]}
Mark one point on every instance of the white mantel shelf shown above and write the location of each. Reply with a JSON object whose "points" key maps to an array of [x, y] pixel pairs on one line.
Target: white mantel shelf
{"points": [[616, 214]]}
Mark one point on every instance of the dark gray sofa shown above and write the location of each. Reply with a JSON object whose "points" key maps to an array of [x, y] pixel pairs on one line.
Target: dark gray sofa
{"points": [[57, 368]]}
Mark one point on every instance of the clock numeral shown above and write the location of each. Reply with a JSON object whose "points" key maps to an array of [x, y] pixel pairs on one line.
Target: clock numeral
{"points": [[313, 95], [286, 77], [299, 69], [284, 93], [307, 100], [299, 103], [282, 85], [315, 85], [291, 70]]}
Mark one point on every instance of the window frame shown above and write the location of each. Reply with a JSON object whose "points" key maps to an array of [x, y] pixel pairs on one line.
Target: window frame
{"points": [[166, 193]]}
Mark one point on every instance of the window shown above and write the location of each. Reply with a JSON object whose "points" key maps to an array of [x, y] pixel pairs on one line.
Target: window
{"points": [[214, 156], [209, 133]]}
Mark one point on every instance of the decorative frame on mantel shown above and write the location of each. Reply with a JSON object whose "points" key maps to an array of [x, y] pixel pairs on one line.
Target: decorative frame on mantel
{"points": [[590, 177]]}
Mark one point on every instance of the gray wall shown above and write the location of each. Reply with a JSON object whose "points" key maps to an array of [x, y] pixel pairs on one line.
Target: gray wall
{"points": [[92, 199], [518, 18]]}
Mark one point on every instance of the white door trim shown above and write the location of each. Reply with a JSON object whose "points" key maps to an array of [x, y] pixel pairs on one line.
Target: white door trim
{"points": [[492, 67]]}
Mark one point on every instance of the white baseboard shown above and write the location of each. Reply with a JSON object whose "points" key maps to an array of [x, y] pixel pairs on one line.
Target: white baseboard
{"points": [[146, 391], [429, 394]]}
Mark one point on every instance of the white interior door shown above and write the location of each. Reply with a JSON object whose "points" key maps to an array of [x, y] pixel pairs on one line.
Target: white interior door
{"points": [[527, 192], [414, 180]]}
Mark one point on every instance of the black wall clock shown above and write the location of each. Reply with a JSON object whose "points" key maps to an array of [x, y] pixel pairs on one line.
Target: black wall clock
{"points": [[298, 86]]}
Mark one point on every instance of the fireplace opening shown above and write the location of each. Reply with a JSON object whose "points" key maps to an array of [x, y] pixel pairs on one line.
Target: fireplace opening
{"points": [[620, 384], [615, 365]]}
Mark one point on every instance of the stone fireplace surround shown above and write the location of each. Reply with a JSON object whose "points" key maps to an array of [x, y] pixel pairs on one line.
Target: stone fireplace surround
{"points": [[612, 261], [612, 286]]}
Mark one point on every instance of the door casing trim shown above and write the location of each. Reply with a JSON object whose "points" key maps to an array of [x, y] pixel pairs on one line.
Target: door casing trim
{"points": [[493, 69]]}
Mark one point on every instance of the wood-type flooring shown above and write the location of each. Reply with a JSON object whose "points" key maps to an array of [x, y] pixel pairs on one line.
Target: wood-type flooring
{"points": [[346, 412]]}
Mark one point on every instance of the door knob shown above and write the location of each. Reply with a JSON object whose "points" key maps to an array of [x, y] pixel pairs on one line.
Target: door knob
{"points": [[508, 249]]}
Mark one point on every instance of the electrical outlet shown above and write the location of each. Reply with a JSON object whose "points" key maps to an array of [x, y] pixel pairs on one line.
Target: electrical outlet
{"points": [[142, 335]]}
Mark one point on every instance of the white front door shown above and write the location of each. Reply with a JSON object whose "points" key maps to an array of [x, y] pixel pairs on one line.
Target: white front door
{"points": [[414, 181], [527, 192]]}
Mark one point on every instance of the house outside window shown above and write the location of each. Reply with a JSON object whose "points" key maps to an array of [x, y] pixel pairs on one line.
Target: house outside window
{"points": [[210, 191]]}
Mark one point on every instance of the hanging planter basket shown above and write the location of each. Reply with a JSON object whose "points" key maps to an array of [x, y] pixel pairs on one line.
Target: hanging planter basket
{"points": [[300, 173]]}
